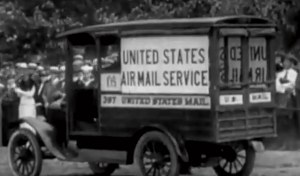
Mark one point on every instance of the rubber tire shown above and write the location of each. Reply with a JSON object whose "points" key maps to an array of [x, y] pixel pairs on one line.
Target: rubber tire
{"points": [[36, 149], [248, 166], [158, 136], [185, 168], [103, 171]]}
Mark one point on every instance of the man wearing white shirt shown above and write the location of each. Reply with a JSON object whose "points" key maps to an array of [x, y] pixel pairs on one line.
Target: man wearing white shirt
{"points": [[286, 79]]}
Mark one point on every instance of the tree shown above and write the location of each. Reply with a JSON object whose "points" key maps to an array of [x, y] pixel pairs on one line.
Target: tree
{"points": [[29, 27]]}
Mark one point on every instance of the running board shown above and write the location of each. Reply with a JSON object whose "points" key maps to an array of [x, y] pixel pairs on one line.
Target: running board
{"points": [[74, 154], [107, 156]]}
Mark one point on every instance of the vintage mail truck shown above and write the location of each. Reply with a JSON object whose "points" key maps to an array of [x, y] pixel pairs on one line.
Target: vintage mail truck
{"points": [[165, 95]]}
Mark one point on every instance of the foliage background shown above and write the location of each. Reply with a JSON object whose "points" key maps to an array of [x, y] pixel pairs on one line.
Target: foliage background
{"points": [[28, 28]]}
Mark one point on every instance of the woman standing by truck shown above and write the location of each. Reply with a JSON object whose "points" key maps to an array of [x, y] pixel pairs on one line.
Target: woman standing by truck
{"points": [[26, 92]]}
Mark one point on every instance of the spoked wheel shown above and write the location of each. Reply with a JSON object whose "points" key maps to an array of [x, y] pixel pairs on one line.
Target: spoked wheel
{"points": [[103, 169], [155, 155], [185, 168], [239, 161], [24, 154]]}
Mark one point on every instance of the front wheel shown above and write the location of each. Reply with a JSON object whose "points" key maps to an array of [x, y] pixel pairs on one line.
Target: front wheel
{"points": [[104, 169], [239, 161], [155, 154], [24, 154]]}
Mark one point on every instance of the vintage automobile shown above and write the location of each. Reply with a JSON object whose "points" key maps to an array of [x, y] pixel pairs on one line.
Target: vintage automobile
{"points": [[165, 95]]}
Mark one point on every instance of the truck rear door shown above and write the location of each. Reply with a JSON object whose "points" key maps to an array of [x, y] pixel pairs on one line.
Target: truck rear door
{"points": [[246, 84]]}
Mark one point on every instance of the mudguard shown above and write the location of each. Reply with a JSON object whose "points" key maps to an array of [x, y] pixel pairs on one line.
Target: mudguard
{"points": [[47, 134], [179, 144], [258, 146]]}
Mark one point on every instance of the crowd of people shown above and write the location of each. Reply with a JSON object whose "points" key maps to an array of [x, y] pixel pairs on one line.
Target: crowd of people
{"points": [[36, 87], [32, 87], [28, 89]]}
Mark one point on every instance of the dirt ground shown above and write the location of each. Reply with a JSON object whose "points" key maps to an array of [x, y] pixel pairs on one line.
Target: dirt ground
{"points": [[268, 163]]}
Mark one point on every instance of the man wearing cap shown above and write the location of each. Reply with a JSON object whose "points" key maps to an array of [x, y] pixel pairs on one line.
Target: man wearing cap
{"points": [[78, 57], [87, 78], [279, 57], [78, 74], [286, 79], [112, 60]]}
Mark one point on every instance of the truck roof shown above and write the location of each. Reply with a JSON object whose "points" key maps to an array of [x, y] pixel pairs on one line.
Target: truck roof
{"points": [[181, 23]]}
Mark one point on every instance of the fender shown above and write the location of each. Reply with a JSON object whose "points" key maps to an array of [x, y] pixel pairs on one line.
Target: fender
{"points": [[46, 133], [258, 146], [176, 139]]}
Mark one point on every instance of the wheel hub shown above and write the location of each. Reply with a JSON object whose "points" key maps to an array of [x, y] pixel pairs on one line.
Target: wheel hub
{"points": [[156, 164], [157, 160], [159, 163], [25, 155], [102, 165], [230, 154], [232, 157]]}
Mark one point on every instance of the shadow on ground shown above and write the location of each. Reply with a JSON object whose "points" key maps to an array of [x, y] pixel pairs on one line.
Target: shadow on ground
{"points": [[288, 131]]}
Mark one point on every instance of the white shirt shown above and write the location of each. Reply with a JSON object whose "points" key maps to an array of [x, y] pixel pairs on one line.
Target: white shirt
{"points": [[27, 107], [26, 97], [41, 87], [288, 74]]}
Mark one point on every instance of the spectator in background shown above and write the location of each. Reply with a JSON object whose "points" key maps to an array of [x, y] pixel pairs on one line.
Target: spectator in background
{"points": [[78, 57], [40, 68], [286, 79], [6, 70], [59, 90], [9, 105], [62, 70], [279, 61], [78, 73], [285, 84], [36, 78], [40, 97], [61, 80], [60, 75], [112, 60], [32, 66], [9, 94], [1, 85], [53, 74], [297, 98], [10, 87], [87, 78]]}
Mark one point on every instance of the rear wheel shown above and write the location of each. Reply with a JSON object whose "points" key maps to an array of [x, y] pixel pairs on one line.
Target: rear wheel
{"points": [[185, 168], [239, 161], [103, 169], [24, 154], [155, 154]]}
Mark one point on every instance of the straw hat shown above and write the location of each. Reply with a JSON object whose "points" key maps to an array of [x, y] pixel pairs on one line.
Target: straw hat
{"points": [[32, 65], [78, 57], [77, 64], [21, 65], [86, 68], [54, 68], [40, 68], [280, 53], [43, 73], [62, 68]]}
